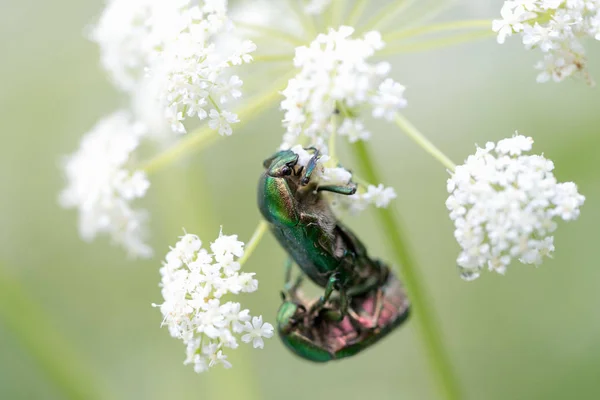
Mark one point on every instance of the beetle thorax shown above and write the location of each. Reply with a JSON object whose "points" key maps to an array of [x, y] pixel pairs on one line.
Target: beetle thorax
{"points": [[313, 203]]}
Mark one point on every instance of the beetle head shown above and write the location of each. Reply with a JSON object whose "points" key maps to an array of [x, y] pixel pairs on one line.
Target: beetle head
{"points": [[290, 314], [281, 163]]}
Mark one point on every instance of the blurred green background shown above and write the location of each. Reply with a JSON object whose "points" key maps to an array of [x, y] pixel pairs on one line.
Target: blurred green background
{"points": [[532, 334]]}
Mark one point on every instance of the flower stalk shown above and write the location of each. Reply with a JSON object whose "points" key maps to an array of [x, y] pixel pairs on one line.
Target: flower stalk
{"points": [[356, 11], [436, 43], [413, 133], [386, 14], [424, 314], [257, 236], [437, 28]]}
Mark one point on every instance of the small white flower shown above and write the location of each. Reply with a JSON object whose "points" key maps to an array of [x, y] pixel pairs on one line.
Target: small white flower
{"points": [[540, 36], [354, 129], [256, 331], [512, 20], [102, 188], [503, 203], [221, 121], [225, 244], [193, 283], [380, 195], [335, 176], [557, 67], [388, 100], [215, 356], [513, 146]]}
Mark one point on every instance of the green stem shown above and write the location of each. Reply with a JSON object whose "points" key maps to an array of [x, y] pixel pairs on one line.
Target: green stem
{"points": [[331, 143], [436, 43], [356, 12], [413, 133], [427, 13], [307, 21], [337, 10], [257, 236], [433, 28], [35, 330], [360, 180], [204, 136], [424, 314], [271, 33], [214, 103], [386, 14]]}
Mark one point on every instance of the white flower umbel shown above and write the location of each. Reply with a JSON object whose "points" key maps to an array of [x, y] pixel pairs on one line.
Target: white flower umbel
{"points": [[101, 187], [174, 43], [556, 27], [326, 174], [193, 284], [504, 204], [336, 78]]}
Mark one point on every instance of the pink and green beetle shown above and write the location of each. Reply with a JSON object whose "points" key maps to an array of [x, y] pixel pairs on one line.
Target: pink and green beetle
{"points": [[320, 337]]}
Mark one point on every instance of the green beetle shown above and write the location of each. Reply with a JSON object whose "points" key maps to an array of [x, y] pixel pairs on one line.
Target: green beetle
{"points": [[322, 338], [305, 226]]}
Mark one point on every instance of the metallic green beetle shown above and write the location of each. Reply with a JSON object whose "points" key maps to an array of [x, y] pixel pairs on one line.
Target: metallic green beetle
{"points": [[321, 338], [303, 223]]}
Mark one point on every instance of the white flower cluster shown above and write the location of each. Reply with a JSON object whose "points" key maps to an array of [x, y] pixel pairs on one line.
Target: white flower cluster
{"points": [[314, 7], [503, 204], [193, 285], [173, 43], [335, 77], [101, 187], [327, 174], [556, 28]]}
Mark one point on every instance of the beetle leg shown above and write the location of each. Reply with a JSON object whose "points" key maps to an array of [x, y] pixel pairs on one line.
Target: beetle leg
{"points": [[331, 315], [361, 323], [297, 283], [334, 315], [370, 284], [310, 167], [309, 219], [345, 190], [378, 309], [288, 274], [290, 287], [343, 303], [331, 285], [357, 321]]}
